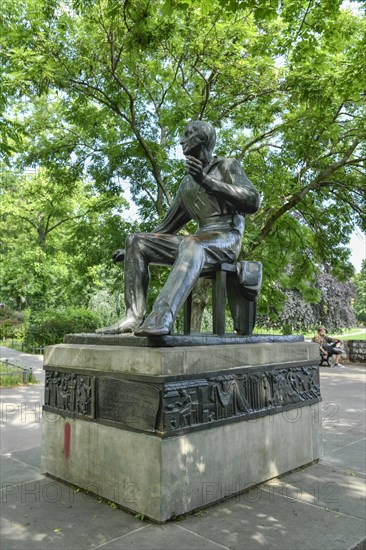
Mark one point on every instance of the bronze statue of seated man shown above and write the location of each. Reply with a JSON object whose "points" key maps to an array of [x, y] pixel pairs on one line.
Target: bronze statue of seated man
{"points": [[216, 194]]}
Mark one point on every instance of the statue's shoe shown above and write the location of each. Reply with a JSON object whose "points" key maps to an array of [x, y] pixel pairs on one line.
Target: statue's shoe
{"points": [[121, 327], [158, 323]]}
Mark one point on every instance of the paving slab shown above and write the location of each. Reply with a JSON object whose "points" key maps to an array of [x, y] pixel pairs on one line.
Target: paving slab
{"points": [[353, 455], [46, 514], [334, 440], [156, 537], [29, 456], [263, 519], [21, 414], [333, 488], [15, 472]]}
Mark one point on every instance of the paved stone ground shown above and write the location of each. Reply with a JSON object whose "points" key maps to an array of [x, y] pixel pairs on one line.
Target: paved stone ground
{"points": [[321, 506]]}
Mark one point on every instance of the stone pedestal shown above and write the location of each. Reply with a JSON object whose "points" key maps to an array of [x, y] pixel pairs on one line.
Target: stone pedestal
{"points": [[163, 431]]}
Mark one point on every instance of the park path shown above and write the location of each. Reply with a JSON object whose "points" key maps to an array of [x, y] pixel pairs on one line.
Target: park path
{"points": [[23, 359]]}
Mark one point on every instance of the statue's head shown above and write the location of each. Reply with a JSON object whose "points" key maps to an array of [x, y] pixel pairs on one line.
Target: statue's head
{"points": [[198, 133]]}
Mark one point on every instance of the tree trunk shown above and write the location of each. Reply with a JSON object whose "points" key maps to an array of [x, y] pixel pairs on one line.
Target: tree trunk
{"points": [[199, 302], [159, 202]]}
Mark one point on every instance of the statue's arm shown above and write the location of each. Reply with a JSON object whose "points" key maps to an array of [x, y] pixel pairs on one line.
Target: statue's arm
{"points": [[234, 188], [174, 219]]}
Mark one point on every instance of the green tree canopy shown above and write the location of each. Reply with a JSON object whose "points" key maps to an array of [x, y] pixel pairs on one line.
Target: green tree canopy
{"points": [[101, 90], [360, 299], [56, 236]]}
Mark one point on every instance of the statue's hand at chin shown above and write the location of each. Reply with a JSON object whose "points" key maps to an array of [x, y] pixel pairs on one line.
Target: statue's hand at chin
{"points": [[195, 168]]}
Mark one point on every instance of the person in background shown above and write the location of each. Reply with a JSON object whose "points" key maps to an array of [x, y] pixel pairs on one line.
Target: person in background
{"points": [[329, 346]]}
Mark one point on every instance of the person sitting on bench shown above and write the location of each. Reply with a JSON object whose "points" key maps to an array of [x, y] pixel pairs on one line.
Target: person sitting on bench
{"points": [[216, 194], [329, 347]]}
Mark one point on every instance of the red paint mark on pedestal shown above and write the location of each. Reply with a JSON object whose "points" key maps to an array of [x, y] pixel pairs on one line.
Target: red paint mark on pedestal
{"points": [[67, 432]]}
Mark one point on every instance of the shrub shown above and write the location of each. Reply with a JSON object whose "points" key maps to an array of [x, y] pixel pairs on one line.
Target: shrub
{"points": [[109, 306], [12, 323], [50, 326]]}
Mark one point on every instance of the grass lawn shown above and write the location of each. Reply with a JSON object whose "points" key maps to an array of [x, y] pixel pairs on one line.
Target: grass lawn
{"points": [[357, 333], [352, 334], [15, 376]]}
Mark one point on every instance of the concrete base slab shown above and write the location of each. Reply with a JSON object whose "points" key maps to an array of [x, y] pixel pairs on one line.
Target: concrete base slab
{"points": [[164, 478], [175, 361], [164, 431]]}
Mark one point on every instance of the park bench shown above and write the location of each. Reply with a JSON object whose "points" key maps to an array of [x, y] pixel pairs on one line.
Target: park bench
{"points": [[324, 358]]}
